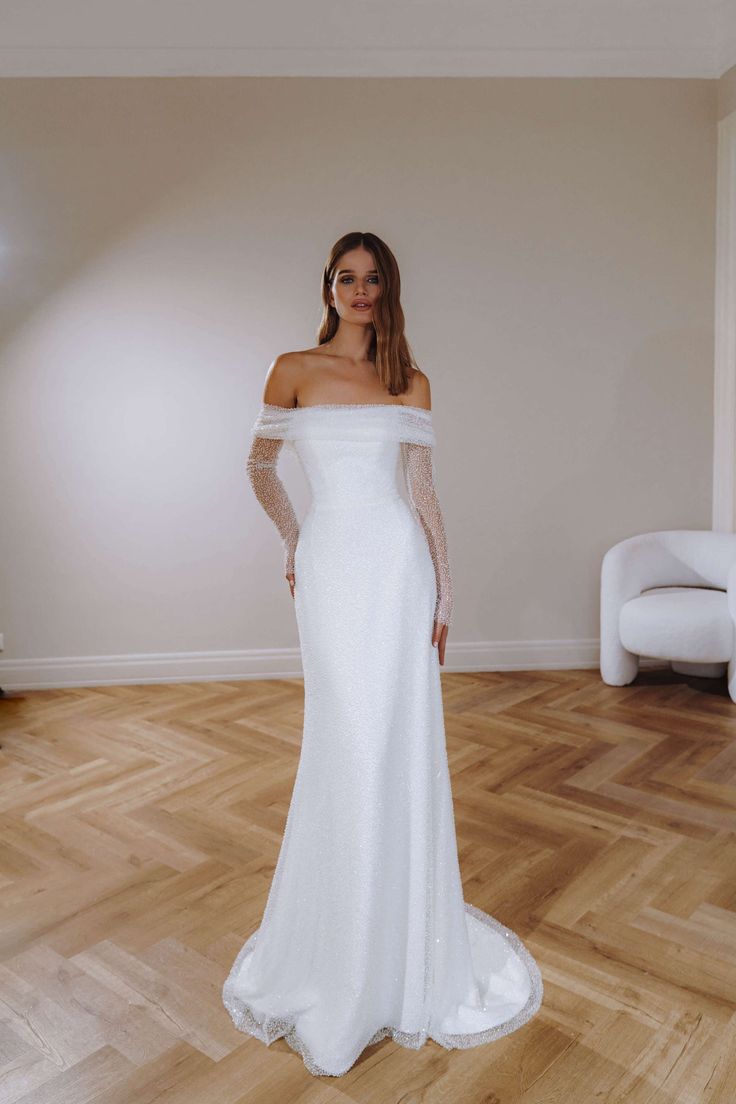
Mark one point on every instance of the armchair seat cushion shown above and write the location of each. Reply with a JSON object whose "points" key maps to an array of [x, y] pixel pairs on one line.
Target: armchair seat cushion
{"points": [[678, 623]]}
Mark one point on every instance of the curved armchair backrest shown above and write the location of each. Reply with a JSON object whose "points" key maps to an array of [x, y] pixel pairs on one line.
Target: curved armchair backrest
{"points": [[677, 557]]}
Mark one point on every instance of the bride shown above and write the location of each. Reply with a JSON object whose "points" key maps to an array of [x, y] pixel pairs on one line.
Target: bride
{"points": [[365, 933]]}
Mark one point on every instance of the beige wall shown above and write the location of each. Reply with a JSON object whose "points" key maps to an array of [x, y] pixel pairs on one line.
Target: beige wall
{"points": [[163, 241]]}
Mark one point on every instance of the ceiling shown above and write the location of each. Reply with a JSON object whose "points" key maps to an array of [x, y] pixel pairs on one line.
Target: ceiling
{"points": [[412, 38]]}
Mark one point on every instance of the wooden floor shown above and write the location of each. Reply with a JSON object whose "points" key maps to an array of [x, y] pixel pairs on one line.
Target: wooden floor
{"points": [[140, 827]]}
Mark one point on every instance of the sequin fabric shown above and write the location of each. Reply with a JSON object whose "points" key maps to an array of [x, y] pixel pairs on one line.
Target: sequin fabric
{"points": [[365, 933], [270, 491], [418, 466], [268, 1028], [415, 433]]}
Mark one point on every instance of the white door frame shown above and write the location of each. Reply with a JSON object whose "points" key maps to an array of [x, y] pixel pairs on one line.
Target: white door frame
{"points": [[724, 389]]}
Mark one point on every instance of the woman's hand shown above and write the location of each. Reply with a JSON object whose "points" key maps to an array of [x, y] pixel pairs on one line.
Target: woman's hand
{"points": [[439, 636], [289, 559]]}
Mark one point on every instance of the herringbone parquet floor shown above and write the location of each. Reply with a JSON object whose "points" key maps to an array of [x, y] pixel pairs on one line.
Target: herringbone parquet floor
{"points": [[140, 827]]}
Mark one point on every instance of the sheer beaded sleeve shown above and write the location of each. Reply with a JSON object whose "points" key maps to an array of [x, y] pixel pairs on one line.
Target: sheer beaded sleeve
{"points": [[269, 490], [419, 471]]}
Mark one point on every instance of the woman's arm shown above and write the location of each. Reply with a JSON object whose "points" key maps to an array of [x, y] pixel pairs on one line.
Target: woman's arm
{"points": [[420, 484], [279, 390], [271, 493], [419, 474]]}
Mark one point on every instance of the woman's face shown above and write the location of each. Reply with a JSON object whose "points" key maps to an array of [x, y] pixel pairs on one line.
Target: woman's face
{"points": [[355, 283]]}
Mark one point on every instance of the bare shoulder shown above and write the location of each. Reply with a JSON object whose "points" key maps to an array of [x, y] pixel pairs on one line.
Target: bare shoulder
{"points": [[282, 379], [418, 393]]}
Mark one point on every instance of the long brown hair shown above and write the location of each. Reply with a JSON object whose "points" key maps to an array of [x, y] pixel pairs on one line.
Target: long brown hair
{"points": [[389, 348]]}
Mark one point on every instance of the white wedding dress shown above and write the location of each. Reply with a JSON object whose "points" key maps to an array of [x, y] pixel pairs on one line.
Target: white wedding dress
{"points": [[365, 933]]}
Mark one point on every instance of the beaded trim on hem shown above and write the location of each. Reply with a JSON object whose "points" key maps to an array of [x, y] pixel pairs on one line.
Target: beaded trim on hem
{"points": [[270, 1028]]}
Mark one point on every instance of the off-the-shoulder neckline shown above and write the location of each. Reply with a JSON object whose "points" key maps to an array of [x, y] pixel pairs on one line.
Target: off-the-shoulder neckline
{"points": [[347, 406]]}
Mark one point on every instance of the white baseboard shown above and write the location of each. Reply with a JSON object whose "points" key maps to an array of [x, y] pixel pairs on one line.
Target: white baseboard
{"points": [[279, 663]]}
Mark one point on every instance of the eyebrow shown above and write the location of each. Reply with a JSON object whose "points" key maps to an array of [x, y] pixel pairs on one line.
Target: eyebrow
{"points": [[369, 272]]}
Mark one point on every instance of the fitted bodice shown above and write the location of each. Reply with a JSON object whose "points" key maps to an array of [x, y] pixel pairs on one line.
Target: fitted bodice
{"points": [[349, 473], [349, 452]]}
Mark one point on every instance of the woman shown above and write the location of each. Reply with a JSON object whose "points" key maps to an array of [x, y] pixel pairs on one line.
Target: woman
{"points": [[365, 933]]}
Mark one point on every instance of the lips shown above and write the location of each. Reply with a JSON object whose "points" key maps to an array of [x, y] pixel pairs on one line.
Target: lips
{"points": [[361, 304]]}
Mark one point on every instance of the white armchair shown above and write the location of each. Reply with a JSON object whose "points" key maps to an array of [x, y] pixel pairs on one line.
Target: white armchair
{"points": [[670, 595]]}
